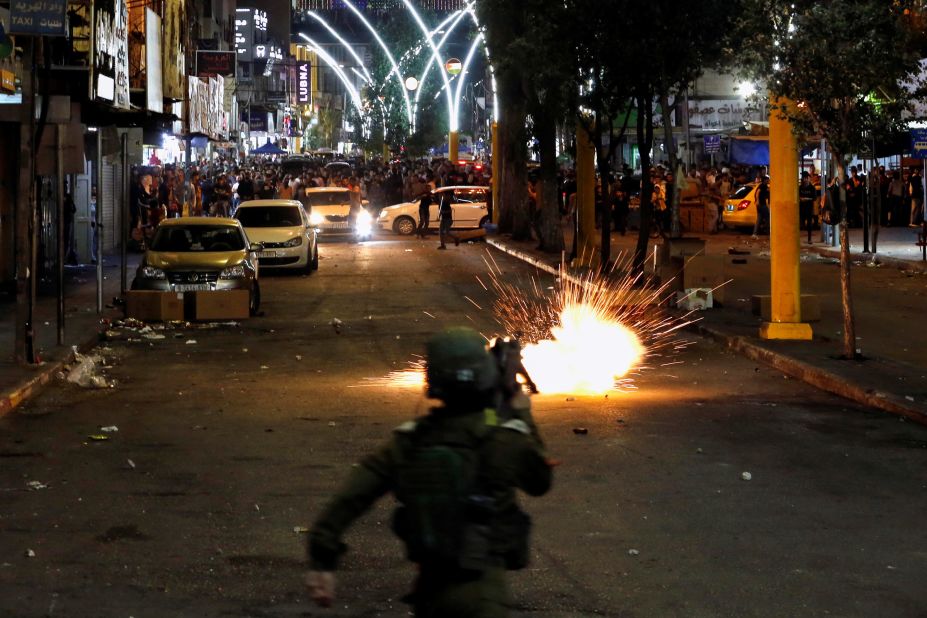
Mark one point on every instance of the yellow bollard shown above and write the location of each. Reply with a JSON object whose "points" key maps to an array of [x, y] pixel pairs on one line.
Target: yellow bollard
{"points": [[453, 147], [784, 234], [588, 242]]}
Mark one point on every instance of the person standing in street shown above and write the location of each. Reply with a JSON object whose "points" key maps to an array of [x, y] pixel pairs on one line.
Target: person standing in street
{"points": [[762, 207], [454, 473], [446, 218], [916, 195], [806, 195], [424, 212]]}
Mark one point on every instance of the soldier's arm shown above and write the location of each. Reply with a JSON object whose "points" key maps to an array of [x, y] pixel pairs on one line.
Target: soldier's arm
{"points": [[364, 486], [528, 464]]}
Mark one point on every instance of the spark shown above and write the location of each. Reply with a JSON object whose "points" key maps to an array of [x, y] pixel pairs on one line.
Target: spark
{"points": [[413, 376], [429, 315], [473, 303], [589, 333]]}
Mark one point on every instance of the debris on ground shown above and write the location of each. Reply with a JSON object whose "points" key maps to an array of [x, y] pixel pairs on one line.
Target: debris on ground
{"points": [[130, 463], [300, 530], [191, 341], [633, 552], [85, 371], [336, 324], [30, 553], [98, 437], [746, 476], [109, 429], [580, 431], [36, 485]]}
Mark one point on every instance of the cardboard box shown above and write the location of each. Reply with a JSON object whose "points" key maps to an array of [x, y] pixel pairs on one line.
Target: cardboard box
{"points": [[706, 271], [218, 305], [680, 248], [153, 306], [761, 305]]}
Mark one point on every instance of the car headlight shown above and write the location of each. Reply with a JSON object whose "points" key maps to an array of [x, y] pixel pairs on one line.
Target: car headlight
{"points": [[294, 242], [150, 272], [233, 272], [316, 219]]}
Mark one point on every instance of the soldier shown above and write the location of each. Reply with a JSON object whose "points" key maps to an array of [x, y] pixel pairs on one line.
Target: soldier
{"points": [[454, 473]]}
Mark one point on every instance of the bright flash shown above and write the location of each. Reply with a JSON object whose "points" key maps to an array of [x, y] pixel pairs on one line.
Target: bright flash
{"points": [[586, 353], [585, 335]]}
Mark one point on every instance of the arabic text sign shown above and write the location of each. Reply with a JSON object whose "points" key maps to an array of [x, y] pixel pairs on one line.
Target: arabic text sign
{"points": [[919, 143], [38, 17], [712, 144]]}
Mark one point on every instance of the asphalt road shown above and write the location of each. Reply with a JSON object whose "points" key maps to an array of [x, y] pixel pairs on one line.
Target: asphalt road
{"points": [[230, 438]]}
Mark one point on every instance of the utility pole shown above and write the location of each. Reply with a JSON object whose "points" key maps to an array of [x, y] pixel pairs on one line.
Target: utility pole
{"points": [[25, 351], [62, 241], [588, 242]]}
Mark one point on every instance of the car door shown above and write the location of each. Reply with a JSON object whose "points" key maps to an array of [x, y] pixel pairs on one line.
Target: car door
{"points": [[434, 211], [469, 206]]}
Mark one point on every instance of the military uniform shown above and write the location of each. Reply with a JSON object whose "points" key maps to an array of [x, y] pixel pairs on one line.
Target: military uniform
{"points": [[511, 456]]}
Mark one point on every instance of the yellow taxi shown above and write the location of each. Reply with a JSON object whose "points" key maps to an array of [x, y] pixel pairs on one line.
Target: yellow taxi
{"points": [[740, 208]]}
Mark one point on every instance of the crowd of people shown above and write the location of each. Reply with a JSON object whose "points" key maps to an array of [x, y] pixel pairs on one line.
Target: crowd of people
{"points": [[216, 188]]}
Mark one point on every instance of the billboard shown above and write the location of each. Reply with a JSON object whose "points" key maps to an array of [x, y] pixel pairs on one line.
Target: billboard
{"points": [[173, 53], [213, 63], [111, 52], [303, 83], [244, 34], [154, 91], [38, 17]]}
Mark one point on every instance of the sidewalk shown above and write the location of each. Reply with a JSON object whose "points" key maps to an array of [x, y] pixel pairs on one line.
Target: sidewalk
{"points": [[82, 328], [889, 302]]}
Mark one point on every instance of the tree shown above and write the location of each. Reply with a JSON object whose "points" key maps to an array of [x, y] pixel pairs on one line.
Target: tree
{"points": [[875, 48]]}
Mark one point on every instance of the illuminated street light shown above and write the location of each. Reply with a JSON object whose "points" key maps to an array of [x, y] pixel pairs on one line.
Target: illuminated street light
{"points": [[411, 84], [344, 43], [389, 56], [437, 57], [331, 62]]}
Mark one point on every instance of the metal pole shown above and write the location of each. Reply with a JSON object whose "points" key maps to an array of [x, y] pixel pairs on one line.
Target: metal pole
{"points": [[24, 339], [123, 245], [99, 220], [59, 283]]}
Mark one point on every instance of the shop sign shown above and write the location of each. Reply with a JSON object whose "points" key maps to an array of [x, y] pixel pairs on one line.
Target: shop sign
{"points": [[721, 115], [303, 82], [7, 81], [269, 51], [919, 143], [712, 144], [38, 17], [260, 20], [257, 121], [244, 35], [173, 56], [154, 91], [212, 63], [111, 52]]}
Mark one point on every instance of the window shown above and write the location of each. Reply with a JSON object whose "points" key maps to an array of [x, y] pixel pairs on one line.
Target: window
{"points": [[197, 238], [269, 216]]}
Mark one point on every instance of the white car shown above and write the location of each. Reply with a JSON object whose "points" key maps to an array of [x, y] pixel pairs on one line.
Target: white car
{"points": [[282, 227], [469, 206], [332, 211]]}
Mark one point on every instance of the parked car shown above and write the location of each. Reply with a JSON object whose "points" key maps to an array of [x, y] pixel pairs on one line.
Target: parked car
{"points": [[469, 206], [740, 208], [193, 254], [283, 228], [333, 211]]}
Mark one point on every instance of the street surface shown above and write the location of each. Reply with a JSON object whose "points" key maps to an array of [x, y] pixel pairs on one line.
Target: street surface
{"points": [[230, 439]]}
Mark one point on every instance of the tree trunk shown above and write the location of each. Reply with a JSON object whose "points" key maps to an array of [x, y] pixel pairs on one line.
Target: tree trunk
{"points": [[644, 145], [513, 216], [670, 145], [604, 173], [551, 232], [849, 324]]}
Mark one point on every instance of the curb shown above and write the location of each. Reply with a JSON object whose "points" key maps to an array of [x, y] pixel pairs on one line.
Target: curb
{"points": [[814, 376], [893, 262], [11, 400]]}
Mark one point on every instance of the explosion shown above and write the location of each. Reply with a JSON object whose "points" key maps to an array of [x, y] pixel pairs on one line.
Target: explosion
{"points": [[584, 336], [587, 334]]}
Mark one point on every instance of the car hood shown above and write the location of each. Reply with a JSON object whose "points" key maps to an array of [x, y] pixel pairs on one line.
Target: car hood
{"points": [[168, 260], [272, 234], [402, 206]]}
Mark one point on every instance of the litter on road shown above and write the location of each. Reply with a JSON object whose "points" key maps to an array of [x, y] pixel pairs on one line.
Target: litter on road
{"points": [[746, 476]]}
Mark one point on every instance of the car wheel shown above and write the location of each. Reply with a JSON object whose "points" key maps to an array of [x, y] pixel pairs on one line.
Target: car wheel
{"points": [[314, 263], [255, 299], [405, 226], [484, 221]]}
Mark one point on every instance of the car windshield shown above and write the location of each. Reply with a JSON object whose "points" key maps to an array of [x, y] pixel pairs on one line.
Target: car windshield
{"points": [[329, 198], [197, 238], [269, 216], [470, 195], [742, 192]]}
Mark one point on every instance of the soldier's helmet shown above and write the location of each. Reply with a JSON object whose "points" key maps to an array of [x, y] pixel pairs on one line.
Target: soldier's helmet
{"points": [[459, 366]]}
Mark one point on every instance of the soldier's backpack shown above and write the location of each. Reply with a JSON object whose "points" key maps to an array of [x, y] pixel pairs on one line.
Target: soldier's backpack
{"points": [[446, 516]]}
